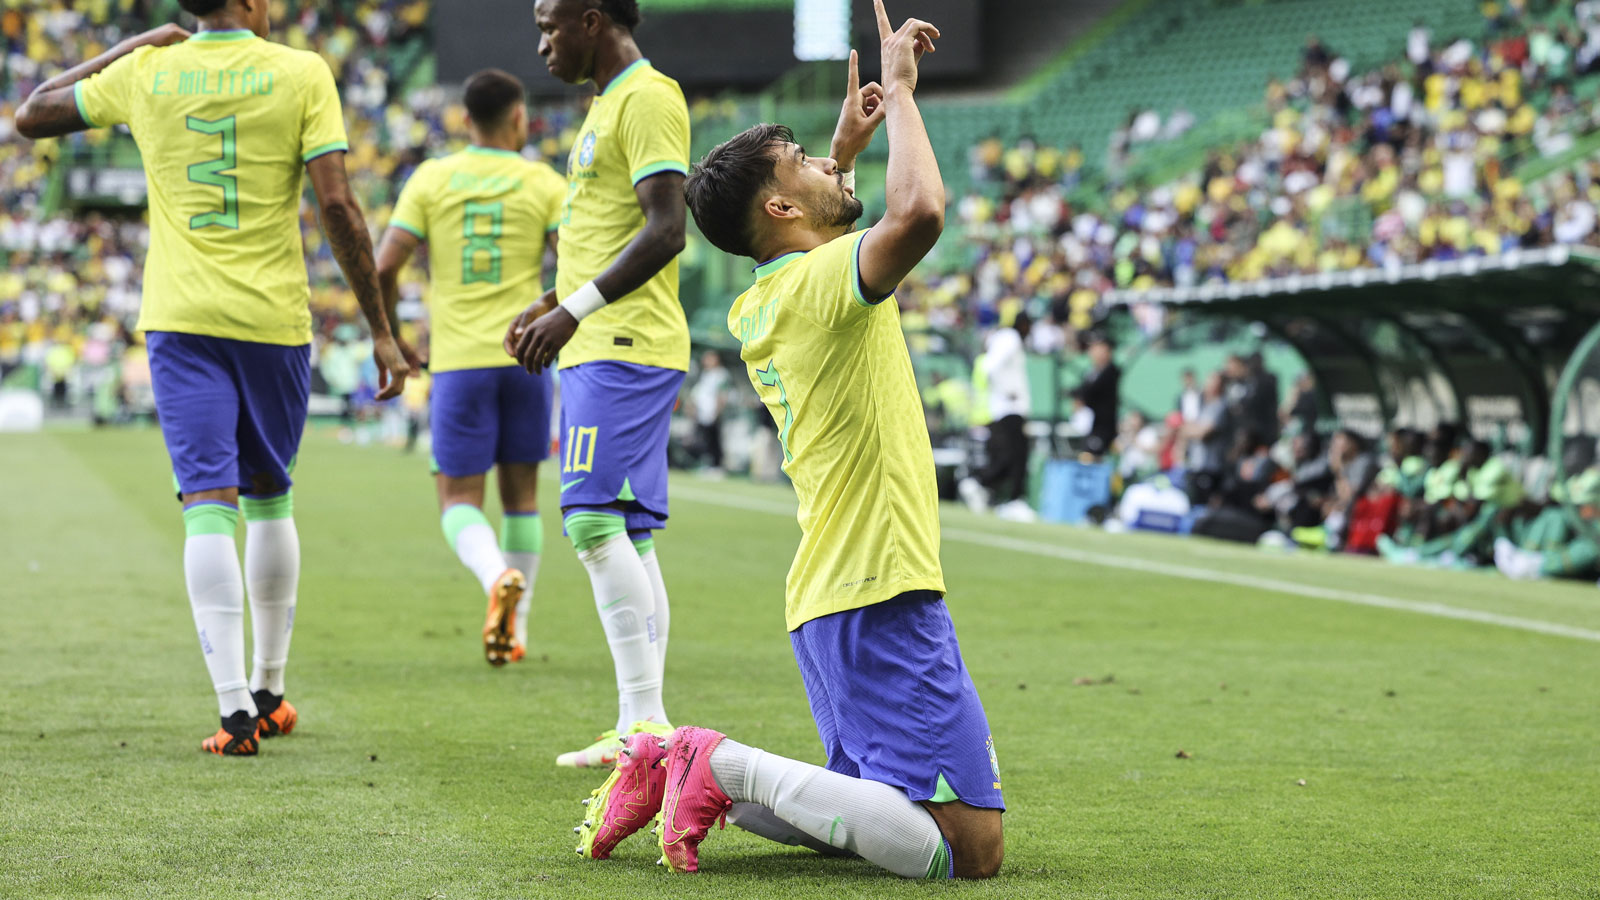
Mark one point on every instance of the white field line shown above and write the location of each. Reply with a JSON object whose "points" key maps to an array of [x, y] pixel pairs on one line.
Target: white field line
{"points": [[1177, 570]]}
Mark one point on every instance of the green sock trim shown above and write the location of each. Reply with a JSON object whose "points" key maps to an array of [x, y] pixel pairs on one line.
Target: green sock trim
{"points": [[210, 517], [522, 533], [589, 528], [942, 791], [940, 867], [279, 507], [644, 545], [457, 518]]}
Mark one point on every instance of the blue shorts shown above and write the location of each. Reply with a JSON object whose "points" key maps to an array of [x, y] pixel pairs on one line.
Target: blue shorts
{"points": [[482, 417], [232, 412], [893, 701], [615, 419]]}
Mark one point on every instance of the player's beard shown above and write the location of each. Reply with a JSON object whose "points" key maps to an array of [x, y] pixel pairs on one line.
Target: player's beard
{"points": [[840, 210]]}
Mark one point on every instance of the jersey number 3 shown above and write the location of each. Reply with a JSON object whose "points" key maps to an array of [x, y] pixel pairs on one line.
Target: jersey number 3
{"points": [[211, 172]]}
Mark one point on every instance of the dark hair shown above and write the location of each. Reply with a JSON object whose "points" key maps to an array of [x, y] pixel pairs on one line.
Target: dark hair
{"points": [[721, 187], [490, 95], [202, 7], [622, 12]]}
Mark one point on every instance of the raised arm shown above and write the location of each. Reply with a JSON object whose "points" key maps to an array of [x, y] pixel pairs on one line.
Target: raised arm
{"points": [[346, 228], [52, 109], [914, 192]]}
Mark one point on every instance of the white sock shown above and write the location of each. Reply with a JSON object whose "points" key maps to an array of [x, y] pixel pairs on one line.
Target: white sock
{"points": [[662, 621], [763, 822], [869, 818], [474, 541], [216, 597], [623, 597], [528, 565], [272, 571]]}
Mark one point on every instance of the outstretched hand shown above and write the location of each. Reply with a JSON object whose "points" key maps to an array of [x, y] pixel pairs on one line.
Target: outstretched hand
{"points": [[862, 114], [903, 49]]}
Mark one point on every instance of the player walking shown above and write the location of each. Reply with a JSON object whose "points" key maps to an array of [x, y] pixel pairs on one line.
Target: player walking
{"points": [[486, 214], [911, 783], [617, 274], [226, 120]]}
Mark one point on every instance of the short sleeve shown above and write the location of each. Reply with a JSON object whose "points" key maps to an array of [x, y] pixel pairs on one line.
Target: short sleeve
{"points": [[831, 294], [411, 210], [552, 190], [322, 118], [655, 132], [105, 99]]}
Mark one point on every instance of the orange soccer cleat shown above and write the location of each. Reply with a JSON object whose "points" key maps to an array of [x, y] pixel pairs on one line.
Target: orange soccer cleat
{"points": [[500, 621], [274, 715], [236, 737]]}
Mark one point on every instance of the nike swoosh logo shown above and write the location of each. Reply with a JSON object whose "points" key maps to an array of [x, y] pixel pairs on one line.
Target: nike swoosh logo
{"points": [[574, 483], [615, 602]]}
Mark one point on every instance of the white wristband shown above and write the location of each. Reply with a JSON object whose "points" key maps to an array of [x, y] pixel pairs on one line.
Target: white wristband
{"points": [[583, 301], [849, 179]]}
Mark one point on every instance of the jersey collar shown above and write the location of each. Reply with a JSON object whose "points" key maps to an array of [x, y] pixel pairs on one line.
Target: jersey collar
{"points": [[491, 151], [232, 34], [776, 263], [622, 76]]}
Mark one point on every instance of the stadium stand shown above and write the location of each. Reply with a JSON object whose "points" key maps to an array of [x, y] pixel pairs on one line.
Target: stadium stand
{"points": [[1173, 146]]}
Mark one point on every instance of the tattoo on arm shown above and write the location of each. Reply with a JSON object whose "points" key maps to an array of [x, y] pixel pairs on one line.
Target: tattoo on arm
{"points": [[50, 113], [347, 234]]}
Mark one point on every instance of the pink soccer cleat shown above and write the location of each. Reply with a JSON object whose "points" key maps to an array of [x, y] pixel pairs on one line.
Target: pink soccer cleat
{"points": [[628, 799], [692, 801]]}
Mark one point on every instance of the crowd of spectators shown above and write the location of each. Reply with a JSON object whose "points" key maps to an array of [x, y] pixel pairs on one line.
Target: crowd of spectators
{"points": [[70, 286], [1409, 161], [1229, 461]]}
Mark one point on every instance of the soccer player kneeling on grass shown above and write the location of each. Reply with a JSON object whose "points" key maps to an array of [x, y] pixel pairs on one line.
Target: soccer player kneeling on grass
{"points": [[487, 215], [225, 121], [912, 782]]}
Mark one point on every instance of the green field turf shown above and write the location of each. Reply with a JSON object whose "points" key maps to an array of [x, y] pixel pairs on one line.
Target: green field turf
{"points": [[1441, 758]]}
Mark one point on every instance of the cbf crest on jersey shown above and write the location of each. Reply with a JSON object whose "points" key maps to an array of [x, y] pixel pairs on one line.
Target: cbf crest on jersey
{"points": [[586, 150]]}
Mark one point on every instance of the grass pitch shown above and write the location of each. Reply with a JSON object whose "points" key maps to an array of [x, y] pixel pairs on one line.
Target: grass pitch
{"points": [[1329, 749]]}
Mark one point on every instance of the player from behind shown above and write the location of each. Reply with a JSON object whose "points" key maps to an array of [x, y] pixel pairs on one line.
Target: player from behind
{"points": [[912, 783], [486, 214], [621, 369], [226, 122]]}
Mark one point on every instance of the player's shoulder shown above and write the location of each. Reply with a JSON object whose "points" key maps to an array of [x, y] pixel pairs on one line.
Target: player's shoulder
{"points": [[652, 82], [300, 64], [832, 256]]}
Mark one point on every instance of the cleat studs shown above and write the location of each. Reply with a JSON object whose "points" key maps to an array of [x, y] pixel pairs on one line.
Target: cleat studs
{"points": [[662, 861], [588, 822], [627, 752], [586, 801], [580, 851], [578, 831]]}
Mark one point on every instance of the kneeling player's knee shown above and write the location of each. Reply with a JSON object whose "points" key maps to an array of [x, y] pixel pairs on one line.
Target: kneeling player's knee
{"points": [[977, 841]]}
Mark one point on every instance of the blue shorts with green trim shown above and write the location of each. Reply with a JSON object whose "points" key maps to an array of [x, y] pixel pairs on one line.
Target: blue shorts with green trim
{"points": [[894, 703], [484, 417], [232, 412], [615, 420]]}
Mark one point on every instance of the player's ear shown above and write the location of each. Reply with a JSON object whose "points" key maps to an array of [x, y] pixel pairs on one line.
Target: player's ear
{"points": [[778, 206]]}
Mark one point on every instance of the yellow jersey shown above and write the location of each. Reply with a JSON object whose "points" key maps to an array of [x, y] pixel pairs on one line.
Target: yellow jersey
{"points": [[833, 370], [225, 122], [637, 127], [485, 214]]}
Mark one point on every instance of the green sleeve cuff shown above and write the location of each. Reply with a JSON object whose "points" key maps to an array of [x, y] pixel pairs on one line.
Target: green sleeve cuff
{"points": [[553, 226], [323, 150], [83, 112], [656, 168], [416, 232]]}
